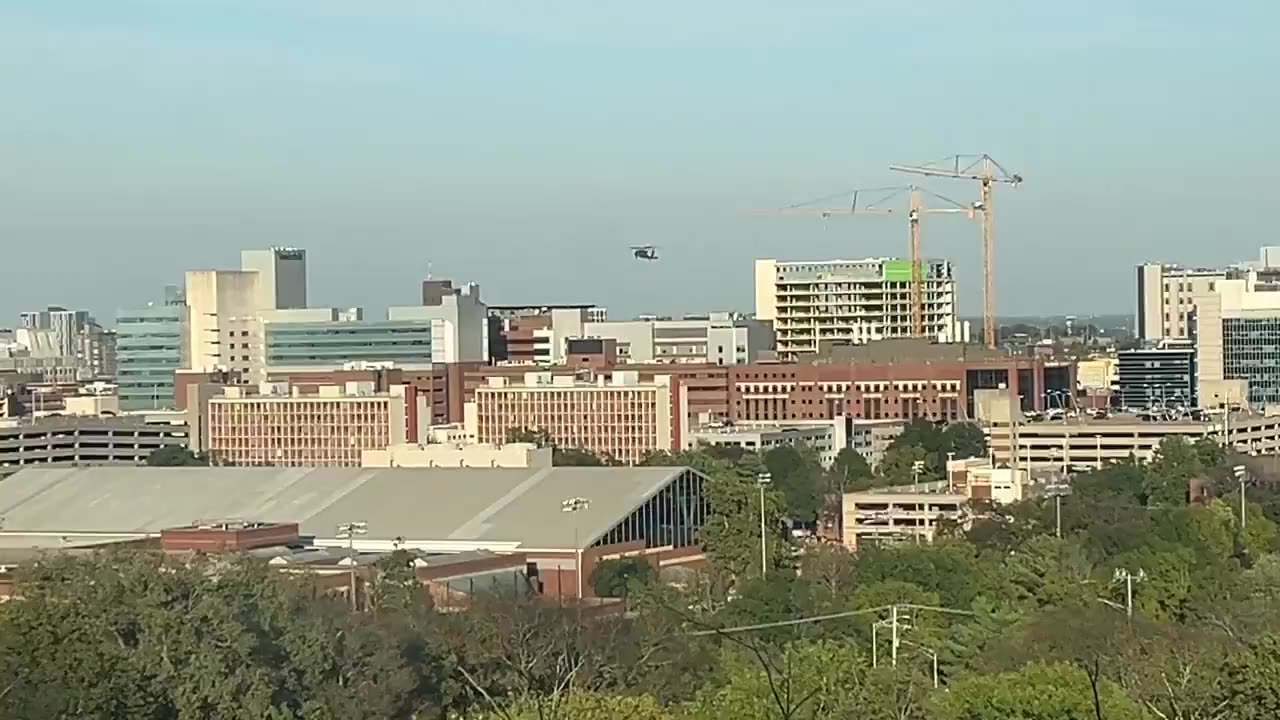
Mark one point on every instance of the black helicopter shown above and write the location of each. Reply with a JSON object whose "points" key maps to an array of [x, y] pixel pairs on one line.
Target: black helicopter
{"points": [[645, 252]]}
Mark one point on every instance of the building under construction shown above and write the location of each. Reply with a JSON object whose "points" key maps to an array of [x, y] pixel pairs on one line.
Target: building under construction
{"points": [[853, 301]]}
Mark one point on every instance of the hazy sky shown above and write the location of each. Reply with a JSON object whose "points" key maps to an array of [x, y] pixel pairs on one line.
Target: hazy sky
{"points": [[525, 145]]}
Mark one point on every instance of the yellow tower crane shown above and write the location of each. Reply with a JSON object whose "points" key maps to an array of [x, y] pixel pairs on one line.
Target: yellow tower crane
{"points": [[988, 172], [880, 204]]}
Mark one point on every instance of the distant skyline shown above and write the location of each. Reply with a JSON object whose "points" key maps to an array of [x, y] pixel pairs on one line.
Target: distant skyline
{"points": [[525, 145]]}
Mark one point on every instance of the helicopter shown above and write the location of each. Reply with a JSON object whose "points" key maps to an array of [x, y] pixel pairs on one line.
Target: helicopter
{"points": [[645, 252]]}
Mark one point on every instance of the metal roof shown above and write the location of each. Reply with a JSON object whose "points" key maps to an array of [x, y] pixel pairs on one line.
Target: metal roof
{"points": [[505, 507]]}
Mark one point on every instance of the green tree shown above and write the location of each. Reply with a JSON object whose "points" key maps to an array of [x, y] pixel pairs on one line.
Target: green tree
{"points": [[849, 472], [1249, 686], [797, 472], [732, 534], [176, 456], [905, 465], [805, 679], [1168, 475], [1036, 692], [613, 578], [538, 437], [965, 440]]}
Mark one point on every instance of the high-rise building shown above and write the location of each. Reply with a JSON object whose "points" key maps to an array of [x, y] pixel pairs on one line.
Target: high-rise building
{"points": [[460, 321], [1167, 296], [223, 325], [852, 301], [150, 348], [623, 419], [1237, 337], [282, 283]]}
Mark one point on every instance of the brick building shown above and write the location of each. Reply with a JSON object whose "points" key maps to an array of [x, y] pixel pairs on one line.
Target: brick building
{"points": [[890, 379]]}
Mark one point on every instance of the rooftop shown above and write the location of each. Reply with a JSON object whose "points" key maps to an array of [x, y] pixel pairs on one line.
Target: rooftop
{"points": [[440, 509]]}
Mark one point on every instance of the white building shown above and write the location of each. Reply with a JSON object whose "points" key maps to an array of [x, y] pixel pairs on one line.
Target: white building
{"points": [[899, 514], [869, 438], [1168, 294], [282, 271], [719, 338], [462, 331], [852, 301], [978, 479]]}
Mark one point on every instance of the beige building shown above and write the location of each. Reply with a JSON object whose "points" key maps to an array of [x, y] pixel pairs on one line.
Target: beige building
{"points": [[223, 330], [510, 455], [617, 415], [978, 479], [273, 425], [899, 514], [1096, 373]]}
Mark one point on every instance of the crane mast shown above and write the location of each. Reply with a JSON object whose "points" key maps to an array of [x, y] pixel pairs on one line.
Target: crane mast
{"points": [[988, 173]]}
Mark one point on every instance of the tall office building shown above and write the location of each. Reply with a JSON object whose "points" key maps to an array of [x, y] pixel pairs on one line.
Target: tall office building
{"points": [[333, 341], [282, 282], [1236, 332], [1167, 296], [223, 329], [460, 321], [851, 301], [150, 348]]}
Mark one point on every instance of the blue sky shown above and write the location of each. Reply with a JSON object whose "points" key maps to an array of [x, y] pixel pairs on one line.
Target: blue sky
{"points": [[525, 145]]}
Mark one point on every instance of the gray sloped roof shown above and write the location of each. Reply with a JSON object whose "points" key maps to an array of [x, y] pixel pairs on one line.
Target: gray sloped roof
{"points": [[417, 504]]}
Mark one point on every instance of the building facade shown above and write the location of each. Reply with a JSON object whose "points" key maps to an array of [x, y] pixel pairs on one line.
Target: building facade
{"points": [[901, 514], [1167, 297], [1164, 377], [274, 426], [150, 348], [619, 417], [66, 326], [223, 326], [80, 441], [334, 343], [851, 301], [460, 321], [716, 339], [892, 380]]}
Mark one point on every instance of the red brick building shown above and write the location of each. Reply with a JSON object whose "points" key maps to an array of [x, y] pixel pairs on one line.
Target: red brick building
{"points": [[890, 379]]}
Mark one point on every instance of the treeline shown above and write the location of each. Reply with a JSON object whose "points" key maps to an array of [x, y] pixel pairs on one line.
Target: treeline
{"points": [[1022, 624]]}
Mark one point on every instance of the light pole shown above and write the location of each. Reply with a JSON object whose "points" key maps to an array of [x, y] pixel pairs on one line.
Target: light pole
{"points": [[1240, 472], [762, 480], [1058, 491], [348, 531], [1097, 439], [1128, 578], [573, 505]]}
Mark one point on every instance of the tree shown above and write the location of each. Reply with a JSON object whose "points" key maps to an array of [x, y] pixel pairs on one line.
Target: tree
{"points": [[905, 465], [1169, 474], [798, 474], [1036, 692], [1248, 687], [805, 679], [965, 440], [613, 578], [176, 456], [849, 472], [538, 437]]}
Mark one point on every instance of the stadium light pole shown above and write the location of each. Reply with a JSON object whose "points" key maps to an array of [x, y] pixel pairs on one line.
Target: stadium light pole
{"points": [[348, 531], [762, 480], [573, 505]]}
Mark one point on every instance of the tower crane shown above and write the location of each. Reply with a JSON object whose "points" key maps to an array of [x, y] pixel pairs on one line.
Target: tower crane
{"points": [[987, 172], [882, 197]]}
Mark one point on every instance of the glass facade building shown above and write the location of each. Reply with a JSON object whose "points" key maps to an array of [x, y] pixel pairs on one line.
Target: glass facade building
{"points": [[148, 353], [1251, 351], [331, 344]]}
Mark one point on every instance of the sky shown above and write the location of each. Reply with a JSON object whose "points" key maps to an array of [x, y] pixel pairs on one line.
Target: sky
{"points": [[526, 144]]}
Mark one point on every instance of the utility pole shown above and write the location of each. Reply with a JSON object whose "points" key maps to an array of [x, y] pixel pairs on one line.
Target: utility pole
{"points": [[1129, 578], [574, 505]]}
